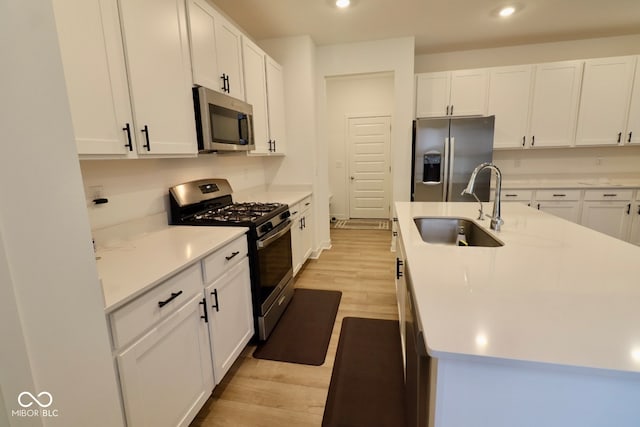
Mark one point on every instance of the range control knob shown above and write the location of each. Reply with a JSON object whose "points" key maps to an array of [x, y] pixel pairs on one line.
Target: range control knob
{"points": [[285, 215], [266, 227]]}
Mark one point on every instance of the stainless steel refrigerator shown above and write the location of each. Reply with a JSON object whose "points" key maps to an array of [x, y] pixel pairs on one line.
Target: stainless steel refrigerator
{"points": [[445, 152]]}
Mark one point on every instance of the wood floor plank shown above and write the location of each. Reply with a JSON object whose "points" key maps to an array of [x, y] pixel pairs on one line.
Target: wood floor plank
{"points": [[265, 393]]}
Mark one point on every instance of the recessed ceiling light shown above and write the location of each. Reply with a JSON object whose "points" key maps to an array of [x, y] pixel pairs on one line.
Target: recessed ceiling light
{"points": [[507, 11], [342, 3]]}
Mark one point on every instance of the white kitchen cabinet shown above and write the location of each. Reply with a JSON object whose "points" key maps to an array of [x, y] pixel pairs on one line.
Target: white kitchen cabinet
{"points": [[509, 99], [634, 230], [401, 294], [166, 376], [607, 211], [633, 124], [452, 93], [159, 69], [604, 102], [516, 196], [264, 90], [554, 110], [230, 315], [560, 202], [216, 50], [95, 75], [301, 233]]}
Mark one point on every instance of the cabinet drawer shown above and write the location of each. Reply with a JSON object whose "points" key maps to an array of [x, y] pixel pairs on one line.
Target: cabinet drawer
{"points": [[140, 314], [301, 206], [516, 195], [560, 194], [608, 194], [218, 262]]}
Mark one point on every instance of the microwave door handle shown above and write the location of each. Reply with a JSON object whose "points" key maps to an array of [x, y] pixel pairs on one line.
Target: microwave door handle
{"points": [[261, 244], [242, 118]]}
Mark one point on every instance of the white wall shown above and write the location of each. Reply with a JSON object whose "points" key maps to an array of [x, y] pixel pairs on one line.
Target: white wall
{"points": [[137, 188], [394, 56], [349, 96], [300, 166], [47, 256], [529, 54]]}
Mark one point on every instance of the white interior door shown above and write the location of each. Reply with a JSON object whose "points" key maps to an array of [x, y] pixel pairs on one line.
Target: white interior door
{"points": [[368, 141]]}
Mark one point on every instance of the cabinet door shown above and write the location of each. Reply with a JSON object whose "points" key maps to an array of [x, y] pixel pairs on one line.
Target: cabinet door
{"points": [[95, 74], [555, 103], [634, 232], [611, 218], [469, 93], [230, 317], [307, 234], [256, 93], [202, 34], [296, 238], [509, 99], [604, 103], [229, 52], [567, 210], [166, 376], [432, 94], [632, 135], [276, 107], [159, 75]]}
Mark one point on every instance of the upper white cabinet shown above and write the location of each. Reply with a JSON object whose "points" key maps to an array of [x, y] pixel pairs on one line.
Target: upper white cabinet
{"points": [[159, 68], [633, 124], [604, 103], [452, 93], [509, 99], [264, 90], [135, 61], [216, 50], [554, 110], [96, 76]]}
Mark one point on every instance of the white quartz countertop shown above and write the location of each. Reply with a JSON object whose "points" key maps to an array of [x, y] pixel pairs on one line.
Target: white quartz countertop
{"points": [[571, 183], [130, 267], [556, 292]]}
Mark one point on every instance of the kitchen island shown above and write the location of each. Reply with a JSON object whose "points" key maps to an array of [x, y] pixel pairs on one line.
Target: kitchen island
{"points": [[543, 331]]}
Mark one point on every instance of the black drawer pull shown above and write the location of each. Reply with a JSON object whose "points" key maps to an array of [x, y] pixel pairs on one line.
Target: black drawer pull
{"points": [[146, 135], [629, 209], [215, 297], [609, 195], [173, 296], [629, 140], [129, 144], [559, 195], [619, 137], [533, 140], [233, 254], [523, 141], [511, 195]]}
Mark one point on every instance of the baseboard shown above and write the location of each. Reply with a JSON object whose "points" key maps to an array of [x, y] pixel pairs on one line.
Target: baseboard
{"points": [[324, 246]]}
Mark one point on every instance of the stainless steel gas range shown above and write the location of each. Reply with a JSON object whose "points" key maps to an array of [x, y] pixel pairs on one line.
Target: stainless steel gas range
{"points": [[208, 202]]}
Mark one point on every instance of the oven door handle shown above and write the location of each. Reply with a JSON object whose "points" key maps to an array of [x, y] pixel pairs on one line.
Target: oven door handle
{"points": [[282, 230]]}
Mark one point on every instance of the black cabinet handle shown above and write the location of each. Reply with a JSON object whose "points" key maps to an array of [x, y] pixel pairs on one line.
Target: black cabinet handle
{"points": [[399, 264], [619, 137], [145, 130], [228, 85], [447, 111], [395, 233], [638, 209], [609, 195], [629, 209], [629, 140], [270, 146], [233, 254], [173, 296], [127, 129], [215, 297], [511, 195], [523, 140], [204, 307], [275, 147], [538, 206], [452, 110], [225, 81], [533, 140], [559, 195], [304, 222], [395, 219]]}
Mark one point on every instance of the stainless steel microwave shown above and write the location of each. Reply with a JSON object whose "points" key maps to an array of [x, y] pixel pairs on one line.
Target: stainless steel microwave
{"points": [[223, 123]]}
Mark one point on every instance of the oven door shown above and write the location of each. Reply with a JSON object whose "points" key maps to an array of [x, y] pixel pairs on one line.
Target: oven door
{"points": [[275, 264]]}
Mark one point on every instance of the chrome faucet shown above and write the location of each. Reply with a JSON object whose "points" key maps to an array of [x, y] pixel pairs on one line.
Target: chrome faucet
{"points": [[496, 220]]}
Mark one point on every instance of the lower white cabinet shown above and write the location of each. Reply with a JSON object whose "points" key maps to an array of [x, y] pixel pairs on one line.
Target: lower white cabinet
{"points": [[561, 203], [166, 376], [634, 232], [301, 233], [519, 196], [607, 211], [230, 316]]}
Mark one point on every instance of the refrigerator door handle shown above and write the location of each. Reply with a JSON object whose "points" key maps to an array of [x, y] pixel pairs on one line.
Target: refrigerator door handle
{"points": [[452, 144], [446, 169]]}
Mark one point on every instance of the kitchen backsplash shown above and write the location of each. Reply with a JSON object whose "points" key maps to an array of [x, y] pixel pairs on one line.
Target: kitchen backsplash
{"points": [[569, 163], [139, 188]]}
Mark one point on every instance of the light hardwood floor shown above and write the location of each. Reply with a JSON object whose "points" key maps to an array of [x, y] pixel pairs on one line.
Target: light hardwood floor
{"points": [[264, 393]]}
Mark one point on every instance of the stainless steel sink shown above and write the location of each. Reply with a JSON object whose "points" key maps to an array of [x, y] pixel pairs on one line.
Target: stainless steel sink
{"points": [[445, 230]]}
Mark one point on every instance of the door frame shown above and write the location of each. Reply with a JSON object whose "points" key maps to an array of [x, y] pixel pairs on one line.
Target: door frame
{"points": [[347, 158]]}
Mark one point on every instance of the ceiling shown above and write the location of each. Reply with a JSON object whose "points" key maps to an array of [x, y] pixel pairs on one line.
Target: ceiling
{"points": [[439, 26]]}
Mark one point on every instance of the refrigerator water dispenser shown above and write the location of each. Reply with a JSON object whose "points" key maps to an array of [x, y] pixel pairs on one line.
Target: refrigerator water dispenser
{"points": [[431, 167]]}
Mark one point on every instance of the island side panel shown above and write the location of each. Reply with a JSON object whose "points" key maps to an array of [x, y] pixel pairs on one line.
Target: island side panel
{"points": [[512, 393]]}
